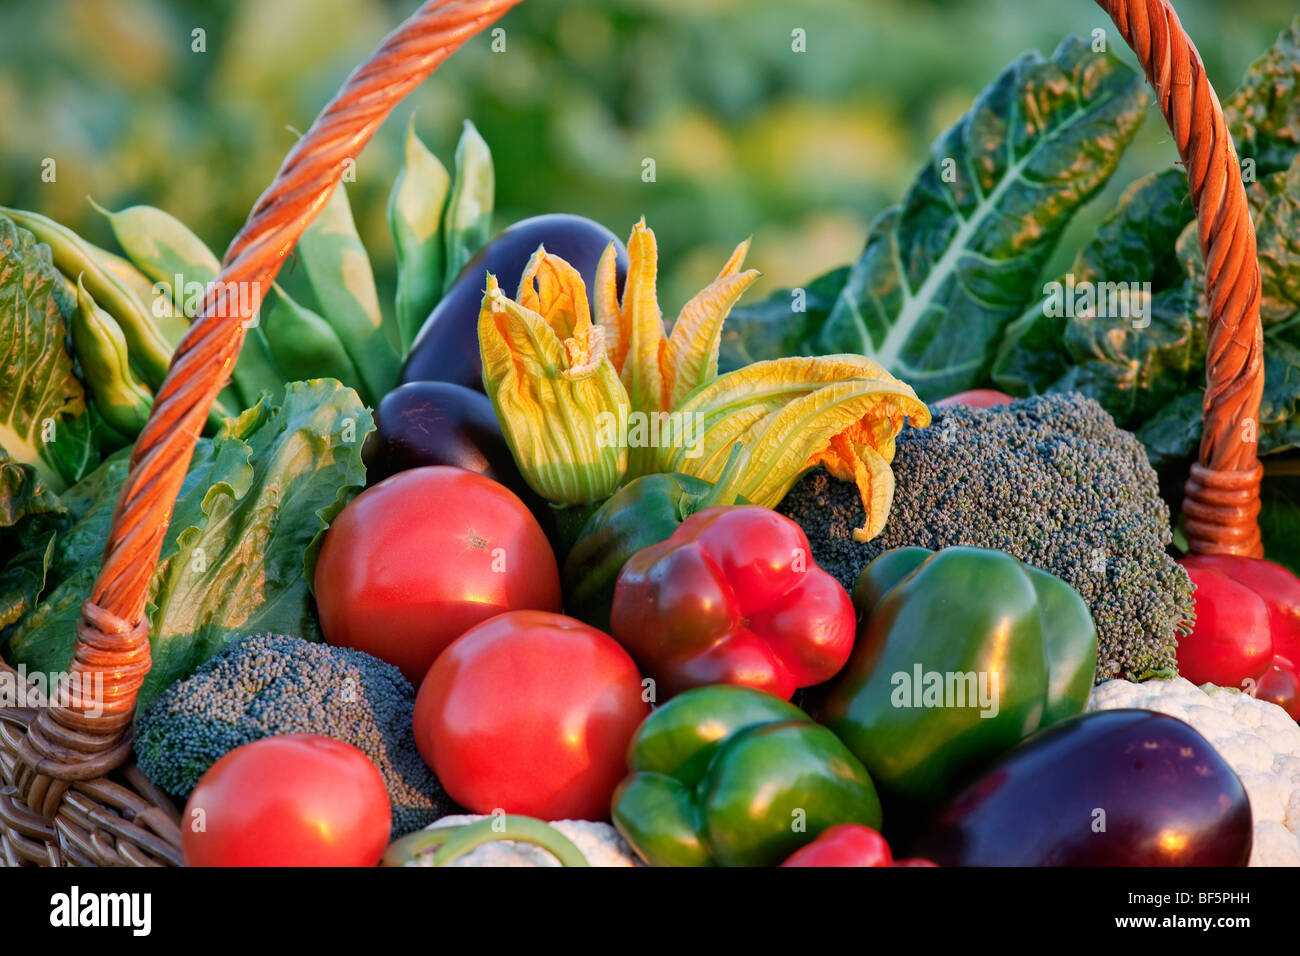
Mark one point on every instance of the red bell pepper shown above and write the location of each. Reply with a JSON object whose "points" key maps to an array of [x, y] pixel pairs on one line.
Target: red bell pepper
{"points": [[849, 844], [1247, 627], [733, 597]]}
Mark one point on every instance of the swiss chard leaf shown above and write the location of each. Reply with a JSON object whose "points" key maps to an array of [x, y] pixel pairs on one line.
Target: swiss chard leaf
{"points": [[946, 271], [782, 324], [1111, 357], [1264, 113]]}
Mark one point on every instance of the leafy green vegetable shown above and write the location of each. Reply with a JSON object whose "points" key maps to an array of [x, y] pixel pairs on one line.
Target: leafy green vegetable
{"points": [[1131, 347], [39, 390], [782, 324], [946, 271], [29, 515], [1264, 113], [1150, 375], [1279, 519], [238, 552]]}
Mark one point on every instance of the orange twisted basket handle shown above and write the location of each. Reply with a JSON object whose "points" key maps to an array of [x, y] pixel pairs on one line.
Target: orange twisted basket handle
{"points": [[64, 744], [1221, 508], [58, 803]]}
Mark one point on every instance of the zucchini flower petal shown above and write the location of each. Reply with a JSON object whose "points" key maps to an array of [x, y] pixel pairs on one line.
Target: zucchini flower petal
{"points": [[839, 411], [641, 322], [692, 352], [609, 315], [556, 394]]}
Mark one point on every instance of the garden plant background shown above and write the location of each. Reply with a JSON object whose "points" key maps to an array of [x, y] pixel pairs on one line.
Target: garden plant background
{"points": [[748, 137]]}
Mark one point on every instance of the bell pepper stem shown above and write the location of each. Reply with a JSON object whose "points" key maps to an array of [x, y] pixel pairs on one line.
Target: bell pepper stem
{"points": [[726, 489], [411, 847], [455, 842]]}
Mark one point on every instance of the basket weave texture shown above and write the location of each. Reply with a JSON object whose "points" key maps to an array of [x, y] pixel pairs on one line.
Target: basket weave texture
{"points": [[70, 793]]}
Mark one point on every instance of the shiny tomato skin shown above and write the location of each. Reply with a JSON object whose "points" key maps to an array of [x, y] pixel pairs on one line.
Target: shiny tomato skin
{"points": [[293, 800], [1230, 642], [1281, 685], [531, 713], [416, 560], [975, 398]]}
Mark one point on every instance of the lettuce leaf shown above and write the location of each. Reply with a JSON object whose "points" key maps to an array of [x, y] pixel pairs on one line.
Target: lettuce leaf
{"points": [[238, 554], [39, 390]]}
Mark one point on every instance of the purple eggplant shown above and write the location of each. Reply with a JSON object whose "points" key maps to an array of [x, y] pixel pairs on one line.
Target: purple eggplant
{"points": [[1113, 788], [438, 423], [446, 349]]}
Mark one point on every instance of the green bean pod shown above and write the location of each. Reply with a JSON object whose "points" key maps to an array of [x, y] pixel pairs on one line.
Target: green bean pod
{"points": [[304, 345], [167, 251], [154, 296], [149, 349], [415, 210], [101, 348], [467, 222], [338, 269]]}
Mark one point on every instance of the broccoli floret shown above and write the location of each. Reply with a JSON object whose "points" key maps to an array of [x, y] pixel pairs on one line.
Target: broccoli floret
{"points": [[268, 685], [1049, 479]]}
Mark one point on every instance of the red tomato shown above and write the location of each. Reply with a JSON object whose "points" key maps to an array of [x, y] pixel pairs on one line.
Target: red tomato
{"points": [[1230, 642], [415, 561], [975, 398], [1276, 586], [531, 713], [295, 800], [1281, 685]]}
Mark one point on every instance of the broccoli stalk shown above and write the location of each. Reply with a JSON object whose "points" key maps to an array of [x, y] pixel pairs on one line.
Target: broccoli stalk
{"points": [[1049, 479]]}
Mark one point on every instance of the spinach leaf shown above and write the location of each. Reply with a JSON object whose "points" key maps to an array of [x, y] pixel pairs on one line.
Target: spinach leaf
{"points": [[946, 271]]}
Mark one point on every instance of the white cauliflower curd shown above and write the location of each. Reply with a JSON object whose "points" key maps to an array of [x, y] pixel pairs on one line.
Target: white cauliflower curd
{"points": [[1257, 739], [600, 843]]}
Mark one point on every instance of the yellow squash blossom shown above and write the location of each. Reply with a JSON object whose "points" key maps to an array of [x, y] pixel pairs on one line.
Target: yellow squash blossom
{"points": [[565, 388]]}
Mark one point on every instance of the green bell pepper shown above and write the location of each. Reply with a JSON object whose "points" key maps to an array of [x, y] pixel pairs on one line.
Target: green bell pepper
{"points": [[960, 655], [643, 512], [733, 776]]}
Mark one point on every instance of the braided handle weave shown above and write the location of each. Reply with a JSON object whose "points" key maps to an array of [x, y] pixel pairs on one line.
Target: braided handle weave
{"points": [[1221, 508], [63, 745]]}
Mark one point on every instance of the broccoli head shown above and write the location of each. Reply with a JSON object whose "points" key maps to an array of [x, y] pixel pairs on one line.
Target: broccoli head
{"points": [[1049, 479], [268, 685]]}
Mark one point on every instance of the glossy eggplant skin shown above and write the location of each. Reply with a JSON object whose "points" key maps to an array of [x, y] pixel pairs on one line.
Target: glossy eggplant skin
{"points": [[1112, 788], [438, 423], [446, 349]]}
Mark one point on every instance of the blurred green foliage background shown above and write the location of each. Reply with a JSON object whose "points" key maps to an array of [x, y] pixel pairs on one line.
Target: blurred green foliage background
{"points": [[798, 149]]}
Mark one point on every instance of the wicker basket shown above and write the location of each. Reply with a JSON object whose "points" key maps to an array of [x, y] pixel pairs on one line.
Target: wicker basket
{"points": [[70, 793]]}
